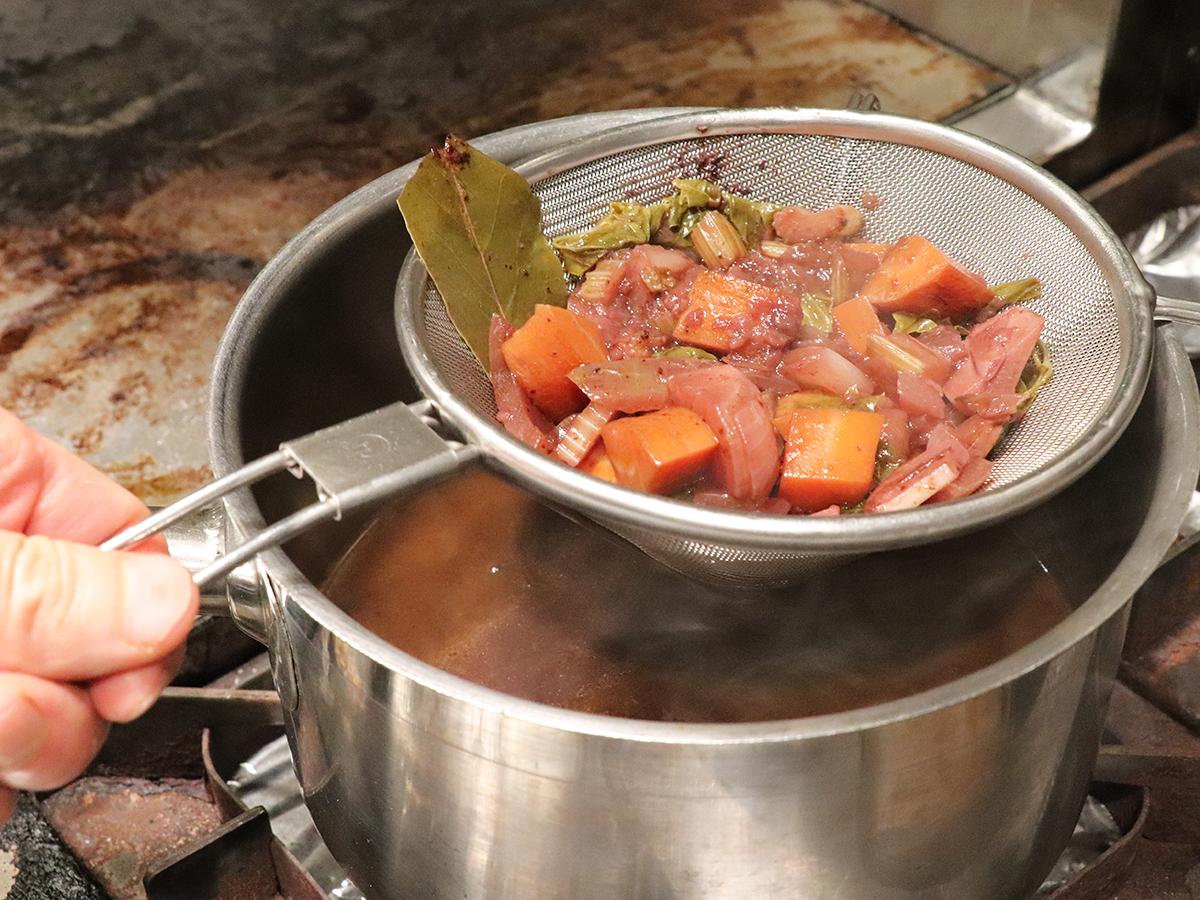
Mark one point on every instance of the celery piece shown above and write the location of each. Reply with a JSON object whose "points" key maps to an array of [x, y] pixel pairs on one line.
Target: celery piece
{"points": [[817, 311]]}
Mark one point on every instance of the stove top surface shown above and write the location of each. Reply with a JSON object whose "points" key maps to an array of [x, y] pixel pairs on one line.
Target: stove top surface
{"points": [[144, 186]]}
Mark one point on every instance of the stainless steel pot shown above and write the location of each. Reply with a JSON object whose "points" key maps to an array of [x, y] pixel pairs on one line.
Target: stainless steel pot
{"points": [[425, 785]]}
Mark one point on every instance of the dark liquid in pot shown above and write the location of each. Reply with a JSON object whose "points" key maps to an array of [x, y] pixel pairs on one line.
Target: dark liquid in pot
{"points": [[478, 578]]}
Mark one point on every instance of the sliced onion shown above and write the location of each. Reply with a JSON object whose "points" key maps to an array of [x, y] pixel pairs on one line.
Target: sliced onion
{"points": [[919, 489], [825, 370], [514, 410], [918, 396], [969, 480], [747, 460], [979, 435]]}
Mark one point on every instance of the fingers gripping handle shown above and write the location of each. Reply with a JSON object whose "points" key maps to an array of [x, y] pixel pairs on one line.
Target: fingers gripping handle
{"points": [[361, 460]]}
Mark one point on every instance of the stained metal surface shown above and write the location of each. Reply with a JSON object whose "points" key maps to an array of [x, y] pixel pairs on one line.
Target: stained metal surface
{"points": [[215, 708], [1162, 649], [119, 826], [35, 864], [233, 862], [176, 147], [1020, 38]]}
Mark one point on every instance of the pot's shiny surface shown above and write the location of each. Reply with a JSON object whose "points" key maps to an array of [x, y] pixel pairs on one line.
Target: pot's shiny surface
{"points": [[425, 785]]}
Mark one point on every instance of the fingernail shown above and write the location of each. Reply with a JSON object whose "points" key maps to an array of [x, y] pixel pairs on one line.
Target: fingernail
{"points": [[159, 597], [23, 731], [125, 697], [137, 706]]}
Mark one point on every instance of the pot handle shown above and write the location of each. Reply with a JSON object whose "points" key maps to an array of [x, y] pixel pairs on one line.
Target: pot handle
{"points": [[358, 461], [1189, 530], [196, 541], [1174, 309]]}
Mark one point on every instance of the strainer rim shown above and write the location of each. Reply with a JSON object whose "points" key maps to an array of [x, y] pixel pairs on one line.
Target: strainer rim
{"points": [[606, 502]]}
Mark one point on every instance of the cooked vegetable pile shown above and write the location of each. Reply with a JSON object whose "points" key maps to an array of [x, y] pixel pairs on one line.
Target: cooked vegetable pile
{"points": [[718, 349]]}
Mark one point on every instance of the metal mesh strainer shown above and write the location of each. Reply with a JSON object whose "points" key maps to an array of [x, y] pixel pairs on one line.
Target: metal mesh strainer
{"points": [[996, 213], [988, 208]]}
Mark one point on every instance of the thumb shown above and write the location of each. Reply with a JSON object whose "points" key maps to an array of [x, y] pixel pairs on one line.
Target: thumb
{"points": [[70, 612]]}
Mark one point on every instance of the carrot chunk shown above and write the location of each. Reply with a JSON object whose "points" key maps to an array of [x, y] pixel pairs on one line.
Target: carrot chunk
{"points": [[855, 320], [661, 451], [719, 306], [789, 403], [598, 465], [917, 277], [543, 351], [830, 457]]}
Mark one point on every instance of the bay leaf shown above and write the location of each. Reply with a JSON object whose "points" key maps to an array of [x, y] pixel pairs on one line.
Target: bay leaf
{"points": [[477, 226]]}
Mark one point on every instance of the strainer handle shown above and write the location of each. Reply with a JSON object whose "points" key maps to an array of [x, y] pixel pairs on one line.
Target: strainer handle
{"points": [[359, 461], [1173, 309], [1189, 530]]}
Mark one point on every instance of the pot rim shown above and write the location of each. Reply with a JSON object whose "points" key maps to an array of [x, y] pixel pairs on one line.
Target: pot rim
{"points": [[1168, 502]]}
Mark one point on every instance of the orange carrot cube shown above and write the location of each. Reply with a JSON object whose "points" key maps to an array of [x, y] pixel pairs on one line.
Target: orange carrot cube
{"points": [[598, 465], [917, 277], [661, 451], [543, 351], [718, 308], [789, 403], [856, 319], [829, 458]]}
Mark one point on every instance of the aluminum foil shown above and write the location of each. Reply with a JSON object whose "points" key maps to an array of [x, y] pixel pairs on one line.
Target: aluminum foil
{"points": [[1168, 251], [267, 779], [1095, 832]]}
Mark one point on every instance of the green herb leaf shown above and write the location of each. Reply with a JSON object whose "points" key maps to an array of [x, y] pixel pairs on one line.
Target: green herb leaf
{"points": [[1037, 374], [886, 461], [684, 353], [1024, 290], [1011, 293], [749, 217], [624, 224], [817, 312], [694, 195], [907, 323], [668, 222], [477, 226]]}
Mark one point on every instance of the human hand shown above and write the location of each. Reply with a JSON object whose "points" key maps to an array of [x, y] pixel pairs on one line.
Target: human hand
{"points": [[86, 637]]}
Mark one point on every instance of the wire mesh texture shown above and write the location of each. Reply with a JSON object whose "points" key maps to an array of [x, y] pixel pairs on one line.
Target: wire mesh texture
{"points": [[979, 218]]}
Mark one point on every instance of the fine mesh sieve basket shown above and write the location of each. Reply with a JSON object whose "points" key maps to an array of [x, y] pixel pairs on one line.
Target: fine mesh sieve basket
{"points": [[989, 209]]}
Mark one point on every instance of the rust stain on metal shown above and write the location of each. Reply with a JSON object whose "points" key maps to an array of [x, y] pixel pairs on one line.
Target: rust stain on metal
{"points": [[111, 307], [108, 323], [796, 53], [1162, 645], [119, 826]]}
